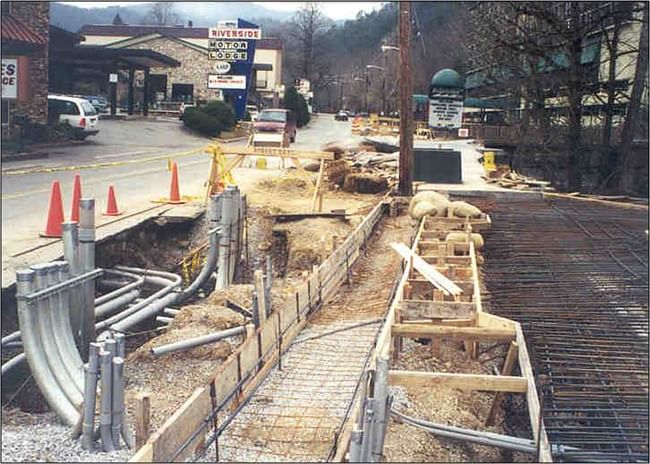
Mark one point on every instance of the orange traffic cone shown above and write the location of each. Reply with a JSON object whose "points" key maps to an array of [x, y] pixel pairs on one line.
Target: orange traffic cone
{"points": [[76, 196], [174, 194], [55, 213], [111, 206]]}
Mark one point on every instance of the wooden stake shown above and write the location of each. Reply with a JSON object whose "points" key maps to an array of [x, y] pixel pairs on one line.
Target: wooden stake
{"points": [[508, 365], [319, 182], [261, 300], [142, 420]]}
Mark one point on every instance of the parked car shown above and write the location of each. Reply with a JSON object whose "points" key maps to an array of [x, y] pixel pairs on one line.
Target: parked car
{"points": [[100, 103], [77, 112], [277, 120], [341, 116], [252, 110]]}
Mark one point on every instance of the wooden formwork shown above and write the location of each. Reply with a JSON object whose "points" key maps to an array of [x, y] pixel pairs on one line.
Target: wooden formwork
{"points": [[238, 377], [419, 310]]}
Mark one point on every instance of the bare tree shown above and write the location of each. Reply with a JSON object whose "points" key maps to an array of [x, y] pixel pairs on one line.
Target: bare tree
{"points": [[307, 24], [162, 14]]}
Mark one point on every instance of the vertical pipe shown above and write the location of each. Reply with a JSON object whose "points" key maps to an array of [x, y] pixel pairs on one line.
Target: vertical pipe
{"points": [[106, 367], [215, 210], [90, 394], [87, 263], [34, 350], [234, 230], [356, 438], [256, 311], [121, 345], [117, 400], [71, 255], [63, 331], [381, 401], [47, 275], [368, 430], [224, 242]]}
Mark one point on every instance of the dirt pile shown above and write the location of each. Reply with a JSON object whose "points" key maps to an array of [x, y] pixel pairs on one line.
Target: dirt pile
{"points": [[336, 171], [365, 183], [289, 182]]}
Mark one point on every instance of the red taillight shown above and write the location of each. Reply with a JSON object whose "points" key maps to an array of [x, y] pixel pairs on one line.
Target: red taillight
{"points": [[82, 122]]}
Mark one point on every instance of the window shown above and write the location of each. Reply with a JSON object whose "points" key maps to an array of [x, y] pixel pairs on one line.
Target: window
{"points": [[5, 112], [272, 116], [89, 110]]}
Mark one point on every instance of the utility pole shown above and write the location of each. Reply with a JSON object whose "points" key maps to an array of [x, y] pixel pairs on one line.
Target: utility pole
{"points": [[405, 104]]}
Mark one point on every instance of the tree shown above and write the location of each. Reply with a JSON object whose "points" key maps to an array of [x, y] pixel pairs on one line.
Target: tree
{"points": [[307, 24], [162, 14], [295, 102]]}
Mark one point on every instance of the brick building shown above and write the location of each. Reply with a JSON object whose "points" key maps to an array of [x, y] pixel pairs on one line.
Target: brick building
{"points": [[189, 46], [25, 36]]}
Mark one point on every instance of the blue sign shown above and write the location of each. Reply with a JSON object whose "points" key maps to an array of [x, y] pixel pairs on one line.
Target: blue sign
{"points": [[239, 67]]}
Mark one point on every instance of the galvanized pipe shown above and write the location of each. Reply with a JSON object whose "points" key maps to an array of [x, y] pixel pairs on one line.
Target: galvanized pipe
{"points": [[164, 319], [356, 440], [381, 403], [62, 329], [116, 303], [70, 239], [144, 313], [117, 400], [197, 341], [13, 362], [46, 276], [105, 419], [234, 232], [87, 263], [135, 285], [171, 311], [223, 272], [12, 337], [208, 267], [214, 210], [120, 343], [90, 394], [13, 345], [38, 364]]}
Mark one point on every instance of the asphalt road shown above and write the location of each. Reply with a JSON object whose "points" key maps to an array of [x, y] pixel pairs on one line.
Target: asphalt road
{"points": [[132, 156]]}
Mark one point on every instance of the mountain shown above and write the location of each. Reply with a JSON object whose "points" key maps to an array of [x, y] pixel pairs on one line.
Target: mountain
{"points": [[202, 14]]}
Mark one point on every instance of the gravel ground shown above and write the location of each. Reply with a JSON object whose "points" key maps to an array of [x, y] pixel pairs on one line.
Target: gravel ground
{"points": [[44, 439]]}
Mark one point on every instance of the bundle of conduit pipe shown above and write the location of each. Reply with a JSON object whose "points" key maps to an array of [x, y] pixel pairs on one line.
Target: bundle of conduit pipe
{"points": [[106, 367]]}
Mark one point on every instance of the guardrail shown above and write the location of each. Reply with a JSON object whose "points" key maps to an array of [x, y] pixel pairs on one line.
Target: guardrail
{"points": [[239, 376]]}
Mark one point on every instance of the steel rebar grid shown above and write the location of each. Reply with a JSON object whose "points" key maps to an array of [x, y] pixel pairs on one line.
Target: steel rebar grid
{"points": [[576, 276]]}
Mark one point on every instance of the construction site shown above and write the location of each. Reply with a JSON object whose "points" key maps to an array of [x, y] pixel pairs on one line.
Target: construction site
{"points": [[314, 314]]}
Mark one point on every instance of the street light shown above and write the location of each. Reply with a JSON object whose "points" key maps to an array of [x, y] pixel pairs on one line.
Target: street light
{"points": [[385, 48]]}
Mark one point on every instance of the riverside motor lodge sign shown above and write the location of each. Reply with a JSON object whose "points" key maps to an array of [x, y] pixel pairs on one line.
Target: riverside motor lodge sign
{"points": [[234, 33]]}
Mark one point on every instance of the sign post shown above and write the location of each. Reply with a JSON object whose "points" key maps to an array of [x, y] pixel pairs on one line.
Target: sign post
{"points": [[231, 46]]}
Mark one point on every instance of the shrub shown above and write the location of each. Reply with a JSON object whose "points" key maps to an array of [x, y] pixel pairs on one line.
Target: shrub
{"points": [[295, 102], [202, 122], [222, 112]]}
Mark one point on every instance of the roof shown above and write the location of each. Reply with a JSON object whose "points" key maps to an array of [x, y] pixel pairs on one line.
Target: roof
{"points": [[179, 32], [127, 56], [14, 30], [447, 78]]}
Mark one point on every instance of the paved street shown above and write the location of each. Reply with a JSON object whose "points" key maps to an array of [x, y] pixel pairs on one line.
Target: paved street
{"points": [[131, 155]]}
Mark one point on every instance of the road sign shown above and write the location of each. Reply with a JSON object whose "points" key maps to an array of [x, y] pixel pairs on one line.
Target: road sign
{"points": [[216, 81]]}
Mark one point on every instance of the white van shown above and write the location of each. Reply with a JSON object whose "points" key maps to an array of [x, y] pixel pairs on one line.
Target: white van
{"points": [[77, 112]]}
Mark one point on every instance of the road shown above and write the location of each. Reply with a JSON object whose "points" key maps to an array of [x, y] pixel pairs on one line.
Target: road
{"points": [[132, 156]]}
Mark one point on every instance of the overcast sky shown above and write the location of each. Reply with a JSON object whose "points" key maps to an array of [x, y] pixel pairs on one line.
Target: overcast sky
{"points": [[335, 10]]}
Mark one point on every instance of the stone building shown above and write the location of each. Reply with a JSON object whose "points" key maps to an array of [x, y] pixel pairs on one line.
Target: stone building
{"points": [[25, 36], [188, 45]]}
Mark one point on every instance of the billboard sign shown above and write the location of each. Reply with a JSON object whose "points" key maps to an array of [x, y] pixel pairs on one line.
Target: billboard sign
{"points": [[235, 33], [220, 81], [222, 67]]}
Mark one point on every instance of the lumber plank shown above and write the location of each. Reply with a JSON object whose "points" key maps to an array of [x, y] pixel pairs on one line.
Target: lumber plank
{"points": [[508, 366], [468, 382], [432, 331], [422, 287], [490, 320], [180, 426], [278, 152], [319, 182], [417, 309], [427, 270], [144, 454], [142, 416]]}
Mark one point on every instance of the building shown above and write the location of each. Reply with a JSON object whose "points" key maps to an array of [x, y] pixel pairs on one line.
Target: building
{"points": [[25, 36], [189, 46]]}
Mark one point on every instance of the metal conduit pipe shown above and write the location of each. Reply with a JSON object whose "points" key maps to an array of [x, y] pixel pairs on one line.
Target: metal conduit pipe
{"points": [[49, 333], [144, 313], [87, 264], [106, 368], [113, 305], [90, 392], [13, 345], [481, 438], [132, 310], [171, 311], [13, 362], [150, 272], [214, 210], [12, 337], [206, 270], [234, 233], [197, 341], [38, 365], [117, 400], [70, 238], [224, 240], [62, 329], [135, 285]]}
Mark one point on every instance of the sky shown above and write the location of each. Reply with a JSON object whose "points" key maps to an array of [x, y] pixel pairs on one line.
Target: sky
{"points": [[335, 10]]}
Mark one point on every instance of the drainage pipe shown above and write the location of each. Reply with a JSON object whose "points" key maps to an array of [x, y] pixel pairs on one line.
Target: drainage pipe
{"points": [[197, 341], [214, 210], [87, 264], [90, 393], [117, 400], [116, 303], [13, 362], [171, 312], [62, 329], [164, 319], [208, 267], [223, 273], [49, 333], [70, 237], [106, 367], [34, 352], [13, 345]]}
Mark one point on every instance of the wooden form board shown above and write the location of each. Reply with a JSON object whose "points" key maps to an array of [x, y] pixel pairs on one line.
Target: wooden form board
{"points": [[246, 360], [433, 223], [421, 309], [278, 152], [427, 270], [471, 382], [431, 331]]}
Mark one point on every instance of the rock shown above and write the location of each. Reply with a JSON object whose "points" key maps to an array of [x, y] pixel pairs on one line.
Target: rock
{"points": [[435, 198], [365, 183]]}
